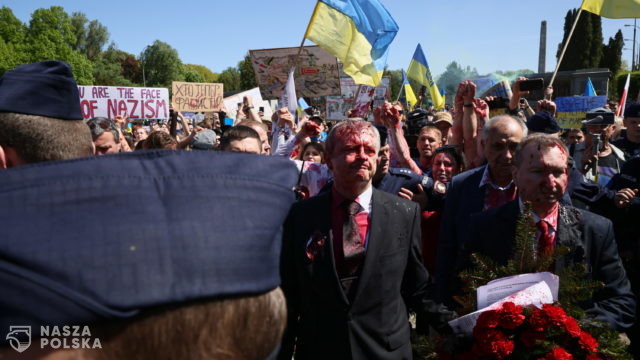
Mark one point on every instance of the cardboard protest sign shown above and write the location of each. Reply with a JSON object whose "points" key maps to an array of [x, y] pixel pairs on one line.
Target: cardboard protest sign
{"points": [[196, 97], [316, 73], [357, 97], [133, 102], [571, 110], [348, 88], [337, 108]]}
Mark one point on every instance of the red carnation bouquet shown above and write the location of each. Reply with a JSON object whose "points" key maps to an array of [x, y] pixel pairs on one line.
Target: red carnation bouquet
{"points": [[517, 332]]}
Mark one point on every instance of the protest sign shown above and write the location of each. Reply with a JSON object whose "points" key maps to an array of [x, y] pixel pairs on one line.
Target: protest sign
{"points": [[316, 73], [348, 88], [337, 108], [231, 102], [501, 89], [571, 110], [132, 102], [362, 101], [196, 97]]}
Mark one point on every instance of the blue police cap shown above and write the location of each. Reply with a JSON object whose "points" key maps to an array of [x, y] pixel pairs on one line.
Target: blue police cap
{"points": [[633, 110], [46, 88], [543, 122], [88, 240]]}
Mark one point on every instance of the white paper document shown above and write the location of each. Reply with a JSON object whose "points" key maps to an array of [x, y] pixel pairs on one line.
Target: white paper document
{"points": [[501, 288], [537, 294]]}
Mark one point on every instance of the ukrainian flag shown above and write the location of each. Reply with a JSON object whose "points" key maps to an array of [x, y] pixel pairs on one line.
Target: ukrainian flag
{"points": [[613, 9], [408, 91], [419, 71], [358, 32]]}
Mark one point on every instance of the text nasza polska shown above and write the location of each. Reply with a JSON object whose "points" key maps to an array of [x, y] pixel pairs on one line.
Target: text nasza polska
{"points": [[68, 337], [134, 102]]}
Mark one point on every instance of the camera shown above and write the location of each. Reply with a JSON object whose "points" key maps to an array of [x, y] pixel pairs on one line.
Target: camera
{"points": [[301, 192]]}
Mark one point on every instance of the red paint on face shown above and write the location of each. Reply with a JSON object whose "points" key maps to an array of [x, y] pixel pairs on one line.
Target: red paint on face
{"points": [[544, 179], [443, 167], [353, 160]]}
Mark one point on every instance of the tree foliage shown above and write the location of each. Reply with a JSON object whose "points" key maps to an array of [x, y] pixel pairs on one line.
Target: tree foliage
{"points": [[612, 54], [230, 77], [161, 64], [585, 49], [453, 75], [208, 75], [247, 76]]}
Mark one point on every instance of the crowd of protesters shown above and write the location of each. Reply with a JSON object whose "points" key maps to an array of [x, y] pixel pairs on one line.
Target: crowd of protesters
{"points": [[443, 179]]}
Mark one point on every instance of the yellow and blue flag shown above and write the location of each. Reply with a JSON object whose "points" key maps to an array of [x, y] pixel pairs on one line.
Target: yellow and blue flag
{"points": [[408, 91], [419, 71], [589, 90], [358, 32], [613, 9]]}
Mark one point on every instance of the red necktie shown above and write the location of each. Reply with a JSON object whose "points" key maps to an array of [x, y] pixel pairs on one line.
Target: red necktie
{"points": [[545, 242], [352, 243]]}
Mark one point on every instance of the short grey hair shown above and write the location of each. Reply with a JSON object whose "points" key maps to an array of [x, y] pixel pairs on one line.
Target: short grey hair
{"points": [[494, 121], [544, 142]]}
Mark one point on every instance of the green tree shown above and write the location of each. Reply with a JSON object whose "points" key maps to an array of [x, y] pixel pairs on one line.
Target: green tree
{"points": [[97, 37], [230, 77], [395, 82], [453, 75], [161, 64], [50, 36], [78, 24], [208, 75], [13, 50], [247, 76], [191, 75], [585, 48], [612, 54], [107, 68], [12, 30]]}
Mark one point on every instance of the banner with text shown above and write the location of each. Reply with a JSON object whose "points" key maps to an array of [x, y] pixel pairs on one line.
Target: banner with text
{"points": [[132, 102], [571, 110], [195, 97], [316, 73]]}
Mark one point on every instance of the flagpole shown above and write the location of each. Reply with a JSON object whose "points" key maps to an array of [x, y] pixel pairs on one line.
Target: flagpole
{"points": [[564, 48], [401, 86], [304, 37]]}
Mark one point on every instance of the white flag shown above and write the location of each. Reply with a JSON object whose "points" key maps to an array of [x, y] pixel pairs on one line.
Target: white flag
{"points": [[288, 97]]}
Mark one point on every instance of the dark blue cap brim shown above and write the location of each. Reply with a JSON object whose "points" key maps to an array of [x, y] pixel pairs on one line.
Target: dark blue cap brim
{"points": [[105, 237]]}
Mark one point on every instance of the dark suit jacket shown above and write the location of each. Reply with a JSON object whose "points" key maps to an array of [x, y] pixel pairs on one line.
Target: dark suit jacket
{"points": [[464, 197], [590, 240], [323, 323]]}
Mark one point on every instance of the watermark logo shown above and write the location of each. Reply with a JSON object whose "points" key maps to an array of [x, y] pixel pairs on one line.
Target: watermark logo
{"points": [[53, 337], [19, 337]]}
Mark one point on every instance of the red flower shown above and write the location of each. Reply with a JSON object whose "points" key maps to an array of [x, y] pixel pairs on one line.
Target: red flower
{"points": [[587, 342], [529, 337], [555, 314], [488, 319], [493, 343], [511, 316], [538, 320], [559, 354], [572, 327]]}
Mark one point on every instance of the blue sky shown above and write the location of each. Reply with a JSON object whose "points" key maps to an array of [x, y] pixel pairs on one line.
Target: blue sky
{"points": [[489, 35]]}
